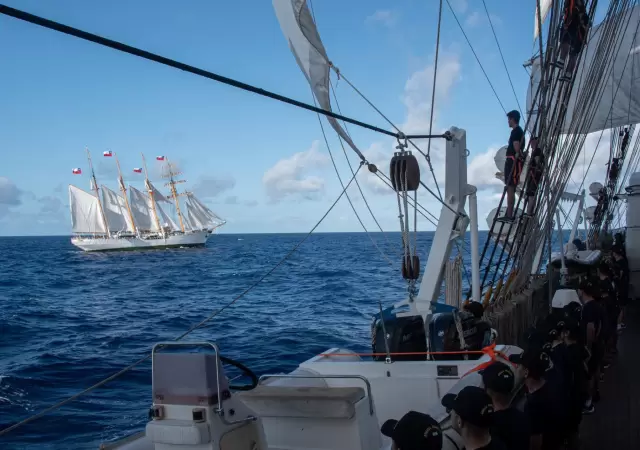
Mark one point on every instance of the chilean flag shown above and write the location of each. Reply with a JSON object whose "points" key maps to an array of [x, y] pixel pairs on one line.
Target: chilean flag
{"points": [[77, 171], [137, 169], [160, 158], [108, 153]]}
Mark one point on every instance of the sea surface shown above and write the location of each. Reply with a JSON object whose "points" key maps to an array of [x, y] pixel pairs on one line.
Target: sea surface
{"points": [[69, 319]]}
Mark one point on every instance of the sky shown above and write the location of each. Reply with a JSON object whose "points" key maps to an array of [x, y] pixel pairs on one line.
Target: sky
{"points": [[262, 165]]}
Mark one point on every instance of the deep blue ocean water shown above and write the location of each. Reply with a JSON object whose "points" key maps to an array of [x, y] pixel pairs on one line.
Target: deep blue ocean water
{"points": [[69, 319]]}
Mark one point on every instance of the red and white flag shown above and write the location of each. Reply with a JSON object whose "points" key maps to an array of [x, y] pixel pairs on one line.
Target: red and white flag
{"points": [[77, 171], [137, 169], [108, 153], [160, 158]]}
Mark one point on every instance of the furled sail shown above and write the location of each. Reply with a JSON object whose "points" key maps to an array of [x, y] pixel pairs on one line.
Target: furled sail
{"points": [[85, 212], [142, 210], [304, 41], [545, 6], [619, 104], [115, 210]]}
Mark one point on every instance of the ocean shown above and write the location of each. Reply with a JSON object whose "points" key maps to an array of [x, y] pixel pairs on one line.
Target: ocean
{"points": [[69, 319]]}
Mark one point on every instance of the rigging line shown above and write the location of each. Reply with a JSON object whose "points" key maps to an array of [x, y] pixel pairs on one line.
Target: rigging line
{"points": [[115, 45], [433, 96], [190, 330], [333, 162], [477, 59], [501, 56], [344, 151]]}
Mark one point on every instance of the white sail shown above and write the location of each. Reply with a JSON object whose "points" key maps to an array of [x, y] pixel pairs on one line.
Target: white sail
{"points": [[192, 219], [157, 196], [85, 212], [619, 103], [115, 210], [545, 6], [142, 211], [204, 215], [166, 220], [304, 41]]}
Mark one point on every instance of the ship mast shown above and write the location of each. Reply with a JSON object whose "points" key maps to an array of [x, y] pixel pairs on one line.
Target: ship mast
{"points": [[95, 188], [124, 194], [172, 184], [150, 191]]}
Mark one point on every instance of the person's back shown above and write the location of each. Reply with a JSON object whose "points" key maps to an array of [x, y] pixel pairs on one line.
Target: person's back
{"points": [[578, 389], [511, 426]]}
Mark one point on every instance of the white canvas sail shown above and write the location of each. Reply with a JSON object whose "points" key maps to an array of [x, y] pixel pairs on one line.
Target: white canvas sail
{"points": [[619, 103], [165, 219], [204, 215], [157, 196], [142, 211], [304, 41], [115, 210], [545, 7], [192, 219], [85, 212]]}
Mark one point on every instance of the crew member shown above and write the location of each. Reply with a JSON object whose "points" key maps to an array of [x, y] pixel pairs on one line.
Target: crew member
{"points": [[513, 163], [536, 166], [471, 416], [592, 319], [546, 414], [414, 431], [621, 278], [577, 373], [574, 33], [509, 424]]}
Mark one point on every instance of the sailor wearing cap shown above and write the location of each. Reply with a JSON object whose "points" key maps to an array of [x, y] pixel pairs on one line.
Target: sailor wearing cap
{"points": [[414, 431], [509, 424], [472, 416]]}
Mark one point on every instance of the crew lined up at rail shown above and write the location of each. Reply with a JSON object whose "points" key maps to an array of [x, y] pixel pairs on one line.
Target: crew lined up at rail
{"points": [[561, 367]]}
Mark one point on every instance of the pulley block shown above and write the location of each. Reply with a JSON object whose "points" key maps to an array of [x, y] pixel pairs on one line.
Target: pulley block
{"points": [[404, 166], [410, 267]]}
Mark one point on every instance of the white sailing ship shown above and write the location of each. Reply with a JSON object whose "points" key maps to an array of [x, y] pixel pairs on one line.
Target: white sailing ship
{"points": [[113, 221]]}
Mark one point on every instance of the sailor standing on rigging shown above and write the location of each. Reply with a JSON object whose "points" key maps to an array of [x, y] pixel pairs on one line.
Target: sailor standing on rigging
{"points": [[513, 163], [536, 165]]}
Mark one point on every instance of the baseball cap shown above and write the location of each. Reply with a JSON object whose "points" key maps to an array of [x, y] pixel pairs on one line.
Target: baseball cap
{"points": [[536, 360], [414, 431], [498, 377], [588, 287], [472, 404], [515, 115]]}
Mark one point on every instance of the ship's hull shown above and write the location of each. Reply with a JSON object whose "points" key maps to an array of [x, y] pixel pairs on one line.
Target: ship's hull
{"points": [[191, 239]]}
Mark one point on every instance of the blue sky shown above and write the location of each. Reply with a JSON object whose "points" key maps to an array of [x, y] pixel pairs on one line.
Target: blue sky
{"points": [[258, 163]]}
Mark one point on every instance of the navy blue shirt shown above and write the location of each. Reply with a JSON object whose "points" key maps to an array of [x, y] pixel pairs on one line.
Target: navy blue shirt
{"points": [[517, 135]]}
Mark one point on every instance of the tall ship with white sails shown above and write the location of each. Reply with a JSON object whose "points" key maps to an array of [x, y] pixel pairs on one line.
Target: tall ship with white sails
{"points": [[108, 221]]}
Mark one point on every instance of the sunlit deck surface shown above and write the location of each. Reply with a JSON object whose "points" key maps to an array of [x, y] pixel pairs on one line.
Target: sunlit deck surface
{"points": [[614, 425]]}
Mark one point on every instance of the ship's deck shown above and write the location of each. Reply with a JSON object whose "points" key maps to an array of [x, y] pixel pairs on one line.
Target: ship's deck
{"points": [[614, 425]]}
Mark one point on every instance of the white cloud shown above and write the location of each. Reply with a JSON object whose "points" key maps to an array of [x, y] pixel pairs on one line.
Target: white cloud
{"points": [[383, 16], [289, 177], [417, 101], [482, 169], [9, 193]]}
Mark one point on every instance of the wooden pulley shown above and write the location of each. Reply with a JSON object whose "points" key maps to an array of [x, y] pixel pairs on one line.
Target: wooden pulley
{"points": [[372, 168], [404, 164], [411, 267]]}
